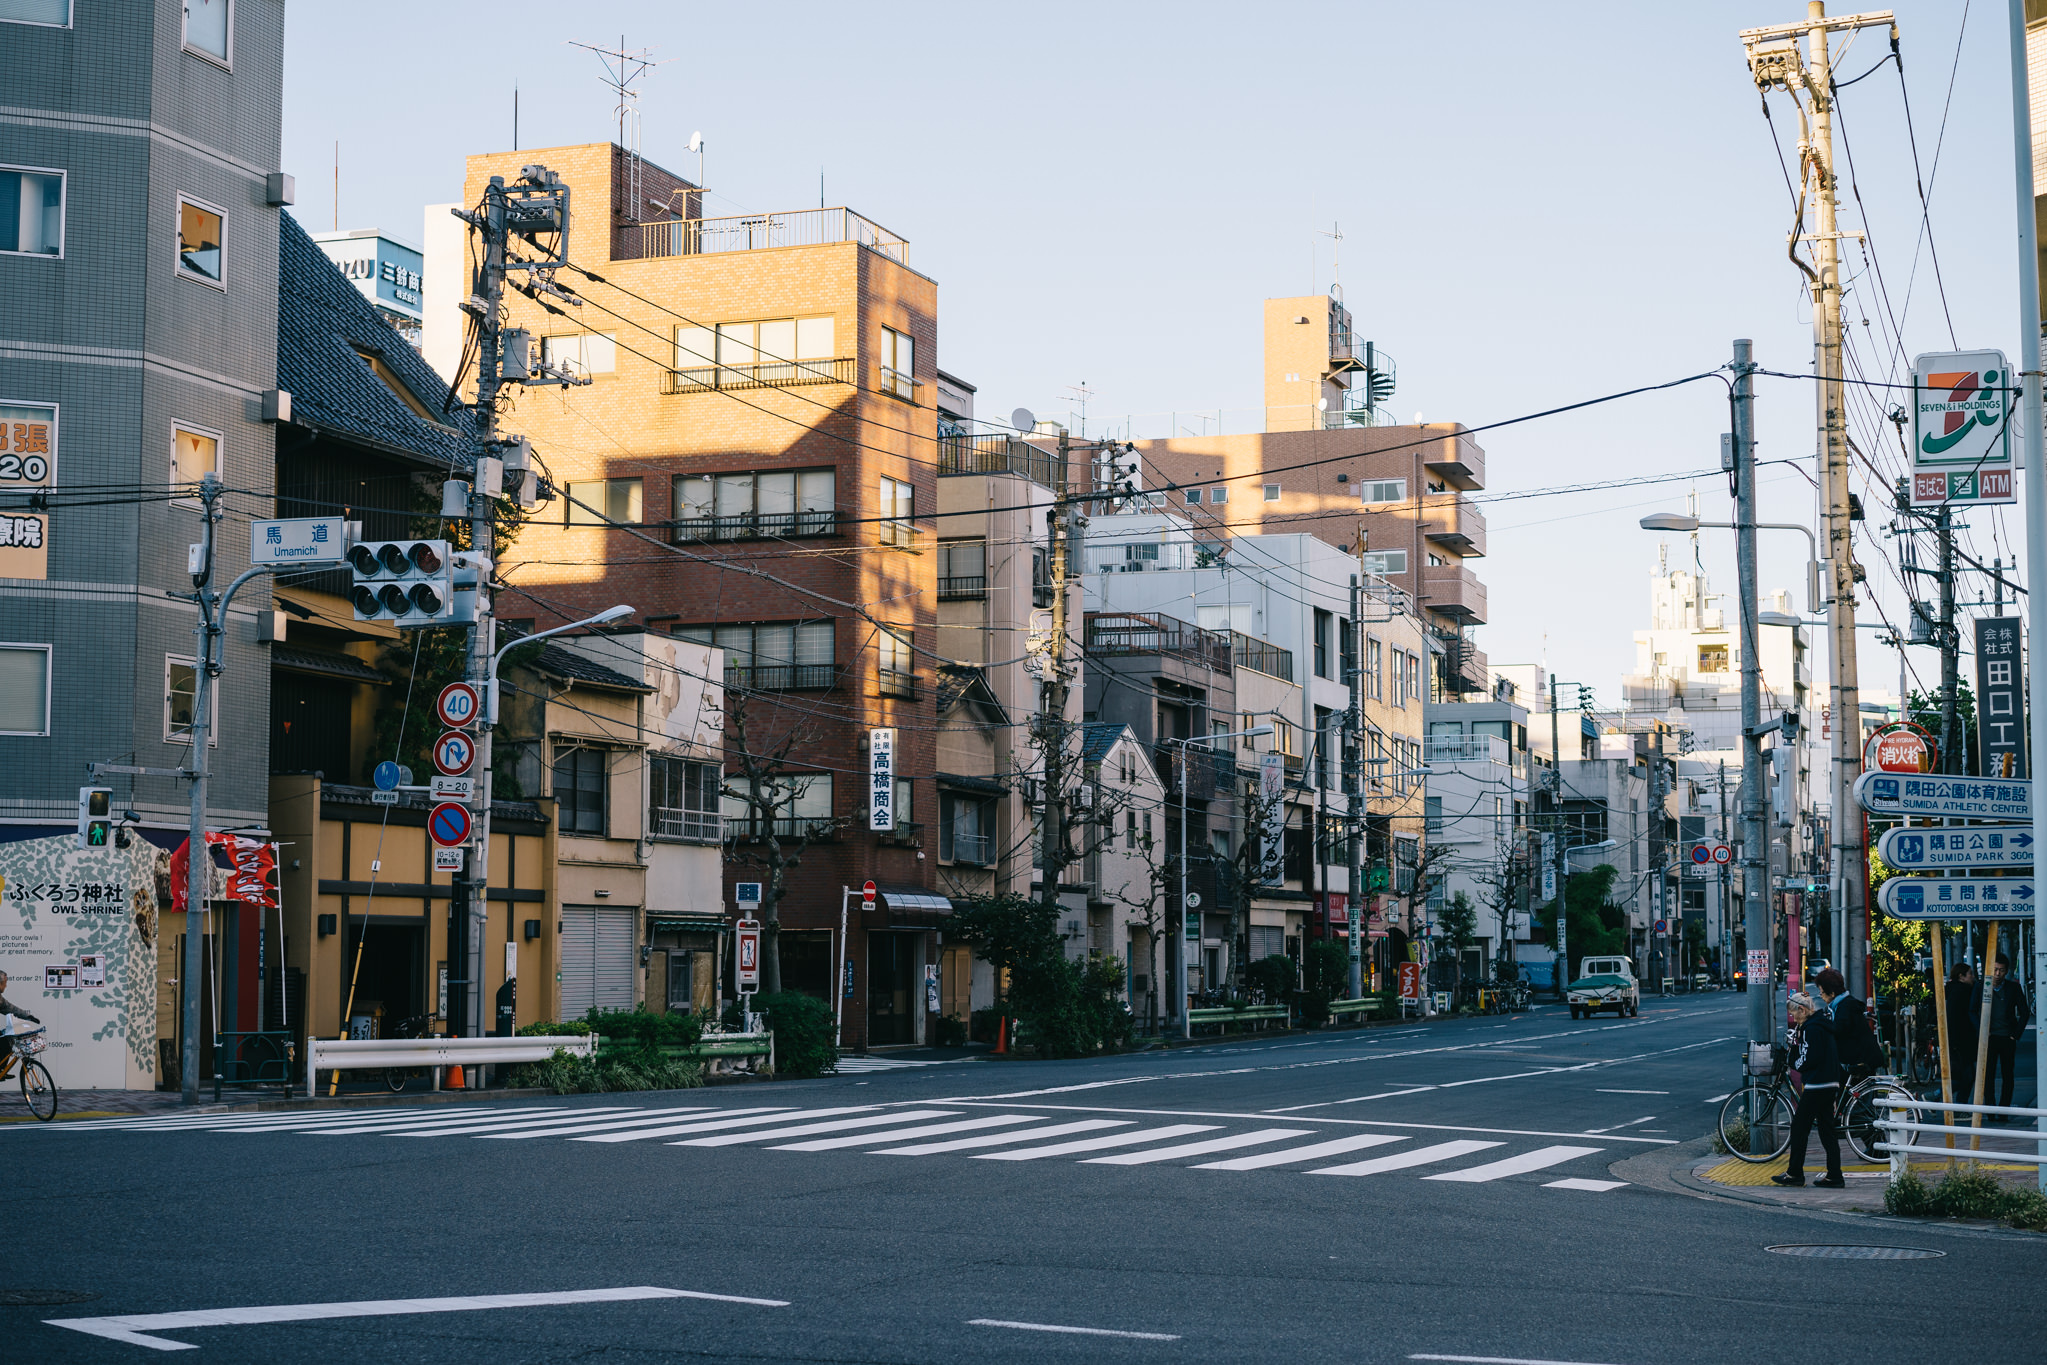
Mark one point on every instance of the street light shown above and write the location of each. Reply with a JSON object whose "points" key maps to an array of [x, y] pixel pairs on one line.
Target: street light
{"points": [[1179, 962], [1678, 521], [602, 618]]}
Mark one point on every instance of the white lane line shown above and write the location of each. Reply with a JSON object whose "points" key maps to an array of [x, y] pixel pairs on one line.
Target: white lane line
{"points": [[1593, 1065], [268, 1123], [742, 1120], [554, 1124], [1595, 1186], [898, 1134], [1074, 1331], [130, 1328], [1634, 1092], [806, 1129], [1203, 1148], [1499, 1360], [226, 1122], [1382, 1095], [1001, 1139], [1400, 1161], [1536, 1160], [398, 1125], [1717, 1098], [1256, 1115], [1595, 1132], [1171, 1130], [1312, 1152], [645, 1118]]}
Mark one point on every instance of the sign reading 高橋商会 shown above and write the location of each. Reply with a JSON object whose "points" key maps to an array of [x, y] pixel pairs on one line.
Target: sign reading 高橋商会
{"points": [[1961, 428], [881, 775]]}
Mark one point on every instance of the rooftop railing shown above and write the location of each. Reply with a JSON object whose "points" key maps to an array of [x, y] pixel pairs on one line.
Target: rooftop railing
{"points": [[998, 455], [1156, 633], [754, 232]]}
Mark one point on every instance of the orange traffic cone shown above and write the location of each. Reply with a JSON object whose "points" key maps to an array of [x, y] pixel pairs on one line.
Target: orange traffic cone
{"points": [[455, 1078], [1001, 1034]]}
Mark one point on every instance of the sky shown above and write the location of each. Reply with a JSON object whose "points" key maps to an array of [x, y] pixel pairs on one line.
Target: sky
{"points": [[1539, 205]]}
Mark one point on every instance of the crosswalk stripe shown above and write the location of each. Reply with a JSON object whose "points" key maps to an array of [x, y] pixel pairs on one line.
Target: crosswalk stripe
{"points": [[642, 1118], [1313, 1151], [805, 1129], [1420, 1156], [224, 1122], [999, 1139], [740, 1120], [1096, 1144], [1202, 1148], [551, 1125], [927, 1130], [396, 1125], [1515, 1165], [1596, 1186]]}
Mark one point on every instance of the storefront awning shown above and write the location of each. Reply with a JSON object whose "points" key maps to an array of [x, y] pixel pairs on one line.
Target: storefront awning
{"points": [[912, 905], [686, 924]]}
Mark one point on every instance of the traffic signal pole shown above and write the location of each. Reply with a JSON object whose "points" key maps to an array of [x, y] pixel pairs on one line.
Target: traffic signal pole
{"points": [[1754, 848], [198, 857]]}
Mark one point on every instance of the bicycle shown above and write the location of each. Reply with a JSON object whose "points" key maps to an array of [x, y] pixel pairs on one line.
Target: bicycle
{"points": [[38, 1091], [395, 1077], [1755, 1122]]}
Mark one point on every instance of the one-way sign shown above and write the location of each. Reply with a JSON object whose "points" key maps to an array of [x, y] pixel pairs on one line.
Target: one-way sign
{"points": [[1957, 897], [1981, 847], [1958, 798]]}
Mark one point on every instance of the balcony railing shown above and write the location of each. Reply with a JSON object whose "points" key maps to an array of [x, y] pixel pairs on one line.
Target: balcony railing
{"points": [[673, 822], [1109, 634], [781, 677], [754, 232], [776, 374], [972, 589], [1464, 749], [975, 850], [1254, 653], [747, 830], [759, 526], [998, 455], [895, 683]]}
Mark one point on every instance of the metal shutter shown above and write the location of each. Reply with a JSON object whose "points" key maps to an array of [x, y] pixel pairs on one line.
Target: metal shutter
{"points": [[613, 954], [578, 959]]}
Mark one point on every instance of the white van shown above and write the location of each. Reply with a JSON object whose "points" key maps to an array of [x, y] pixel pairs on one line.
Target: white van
{"points": [[1606, 966], [1604, 983]]}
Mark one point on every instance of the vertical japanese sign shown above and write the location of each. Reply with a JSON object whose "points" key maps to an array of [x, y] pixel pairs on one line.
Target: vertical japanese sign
{"points": [[881, 779], [2000, 696], [1549, 867], [1961, 428], [1272, 797], [28, 466]]}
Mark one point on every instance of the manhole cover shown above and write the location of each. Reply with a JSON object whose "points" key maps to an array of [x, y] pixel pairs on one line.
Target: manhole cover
{"points": [[1855, 1253], [43, 1298]]}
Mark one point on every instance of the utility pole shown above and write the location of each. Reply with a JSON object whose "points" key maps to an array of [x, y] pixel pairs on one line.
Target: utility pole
{"points": [[1354, 783], [1558, 854], [1062, 516], [198, 854], [1726, 921], [1754, 871], [1950, 646]]}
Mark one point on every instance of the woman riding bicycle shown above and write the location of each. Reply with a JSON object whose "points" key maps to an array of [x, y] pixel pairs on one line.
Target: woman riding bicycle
{"points": [[8, 1014]]}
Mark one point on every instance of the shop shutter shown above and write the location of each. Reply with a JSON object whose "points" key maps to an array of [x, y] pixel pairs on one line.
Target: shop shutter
{"points": [[578, 959], [597, 958]]}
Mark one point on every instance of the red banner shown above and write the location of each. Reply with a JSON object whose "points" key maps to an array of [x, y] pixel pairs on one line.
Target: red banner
{"points": [[251, 870]]}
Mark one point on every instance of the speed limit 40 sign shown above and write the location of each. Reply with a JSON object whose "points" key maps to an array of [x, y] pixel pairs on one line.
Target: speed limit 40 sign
{"points": [[457, 705]]}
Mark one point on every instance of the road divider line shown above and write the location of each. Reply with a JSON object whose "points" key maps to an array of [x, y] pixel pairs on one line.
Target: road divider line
{"points": [[1595, 1186], [1499, 1360], [1072, 1331], [1634, 1092]]}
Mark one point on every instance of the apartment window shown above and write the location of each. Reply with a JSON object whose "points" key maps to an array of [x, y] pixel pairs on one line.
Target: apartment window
{"points": [[25, 689], [755, 354], [966, 829], [963, 571], [194, 455], [898, 512], [786, 656], [1130, 831], [683, 799], [1712, 658], [31, 211], [1193, 497], [1383, 563], [898, 364], [201, 230], [1400, 695], [1126, 765], [579, 791], [778, 503], [1436, 561], [583, 353], [1272, 492], [1347, 646], [1414, 677], [1324, 623], [801, 803], [1248, 723], [1283, 738], [1219, 494], [208, 24], [55, 13], [1382, 490], [180, 692], [898, 672], [1325, 741], [603, 502], [1375, 681]]}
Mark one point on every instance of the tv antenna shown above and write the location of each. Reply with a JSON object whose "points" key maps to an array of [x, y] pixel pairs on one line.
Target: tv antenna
{"points": [[624, 67], [1335, 236], [1082, 392]]}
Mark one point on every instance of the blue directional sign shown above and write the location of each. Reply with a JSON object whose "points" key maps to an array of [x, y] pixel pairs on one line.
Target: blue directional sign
{"points": [[386, 776], [1957, 897], [1957, 798], [1982, 846]]}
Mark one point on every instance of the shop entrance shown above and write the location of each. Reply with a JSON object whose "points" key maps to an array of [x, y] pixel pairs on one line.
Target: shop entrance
{"points": [[390, 986], [891, 975]]}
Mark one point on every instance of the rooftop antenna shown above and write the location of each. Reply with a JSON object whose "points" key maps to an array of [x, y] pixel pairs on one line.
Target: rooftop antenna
{"points": [[1082, 392], [623, 68], [1335, 236]]}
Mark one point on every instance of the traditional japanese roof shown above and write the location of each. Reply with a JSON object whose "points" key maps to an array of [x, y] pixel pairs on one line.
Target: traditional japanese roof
{"points": [[561, 663], [963, 683], [1097, 737]]}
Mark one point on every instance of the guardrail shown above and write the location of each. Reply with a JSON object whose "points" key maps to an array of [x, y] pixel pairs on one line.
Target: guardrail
{"points": [[1364, 1004], [376, 1054], [1251, 1013], [1899, 1152]]}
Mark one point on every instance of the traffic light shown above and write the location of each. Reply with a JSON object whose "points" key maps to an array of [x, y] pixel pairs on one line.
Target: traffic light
{"points": [[95, 817], [404, 582]]}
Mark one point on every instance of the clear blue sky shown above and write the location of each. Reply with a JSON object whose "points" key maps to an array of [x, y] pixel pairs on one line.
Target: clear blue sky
{"points": [[1539, 203]]}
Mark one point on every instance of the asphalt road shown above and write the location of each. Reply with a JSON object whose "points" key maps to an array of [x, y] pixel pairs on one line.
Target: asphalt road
{"points": [[1476, 1189]]}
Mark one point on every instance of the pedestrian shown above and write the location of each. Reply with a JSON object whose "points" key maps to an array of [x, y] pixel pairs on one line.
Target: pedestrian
{"points": [[1815, 1060], [8, 1014], [1963, 1010], [1854, 1041], [2008, 1015]]}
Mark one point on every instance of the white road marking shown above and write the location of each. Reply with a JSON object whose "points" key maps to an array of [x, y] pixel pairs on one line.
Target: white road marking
{"points": [[644, 1118], [1634, 1092], [776, 1115], [1382, 1095], [1595, 1132], [1349, 1123], [394, 1125], [999, 1139], [1313, 1151], [1202, 1148], [1515, 1165], [1499, 1360], [1717, 1098], [551, 1125], [806, 1129], [1596, 1186], [1096, 1144], [898, 1134], [1076, 1331], [1420, 1156], [130, 1328]]}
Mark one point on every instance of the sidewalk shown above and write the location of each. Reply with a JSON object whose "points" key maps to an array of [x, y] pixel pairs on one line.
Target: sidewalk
{"points": [[1866, 1183]]}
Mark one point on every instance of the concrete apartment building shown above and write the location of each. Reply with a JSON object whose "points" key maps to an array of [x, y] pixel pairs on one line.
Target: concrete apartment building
{"points": [[755, 452], [1478, 812], [140, 146]]}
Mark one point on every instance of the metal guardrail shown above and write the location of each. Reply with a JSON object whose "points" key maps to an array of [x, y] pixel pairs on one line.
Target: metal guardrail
{"points": [[1897, 1105], [998, 454], [755, 232], [963, 588], [376, 1054], [756, 526], [765, 374], [1363, 1004], [1261, 655], [1156, 633]]}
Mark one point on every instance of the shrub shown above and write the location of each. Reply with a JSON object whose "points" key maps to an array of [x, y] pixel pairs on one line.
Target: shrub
{"points": [[1967, 1193], [564, 1074], [1908, 1197], [1326, 975], [805, 1035], [2024, 1208], [1071, 1009], [552, 1028], [952, 1031], [1271, 978], [644, 1028]]}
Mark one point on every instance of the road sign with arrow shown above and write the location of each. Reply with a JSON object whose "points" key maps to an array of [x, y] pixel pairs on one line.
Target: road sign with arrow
{"points": [[1985, 846], [1957, 897], [1957, 798]]}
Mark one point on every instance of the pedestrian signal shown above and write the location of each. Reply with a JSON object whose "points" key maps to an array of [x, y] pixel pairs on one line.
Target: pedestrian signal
{"points": [[95, 817]]}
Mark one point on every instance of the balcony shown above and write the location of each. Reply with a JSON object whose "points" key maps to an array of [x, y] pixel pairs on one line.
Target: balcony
{"points": [[758, 526], [895, 683], [1250, 652], [973, 850], [1455, 524], [998, 455], [754, 232], [1454, 591], [963, 589], [1457, 461], [781, 677], [746, 830], [778, 374], [1209, 773], [1110, 634], [1464, 749]]}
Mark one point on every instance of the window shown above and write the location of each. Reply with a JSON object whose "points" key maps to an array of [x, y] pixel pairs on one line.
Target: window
{"points": [[898, 672], [31, 211], [963, 571], [581, 354], [1130, 831], [966, 829], [801, 803], [25, 689], [1193, 497], [207, 26], [1712, 658], [201, 230], [898, 364], [1382, 490], [1323, 625], [180, 690], [1414, 677], [194, 455], [1283, 738], [788, 656], [1375, 682], [56, 13], [782, 502], [1219, 495], [579, 791], [601, 502], [1325, 741], [754, 354], [1347, 646], [1272, 492], [1381, 563], [683, 800], [1436, 561], [897, 512]]}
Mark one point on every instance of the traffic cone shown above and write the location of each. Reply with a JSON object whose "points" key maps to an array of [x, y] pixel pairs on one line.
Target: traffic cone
{"points": [[1001, 1034], [455, 1078]]}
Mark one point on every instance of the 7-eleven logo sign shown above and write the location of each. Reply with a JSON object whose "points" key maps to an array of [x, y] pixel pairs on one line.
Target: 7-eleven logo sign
{"points": [[1961, 409]]}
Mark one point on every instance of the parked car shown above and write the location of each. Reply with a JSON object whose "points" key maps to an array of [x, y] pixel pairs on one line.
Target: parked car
{"points": [[1589, 995]]}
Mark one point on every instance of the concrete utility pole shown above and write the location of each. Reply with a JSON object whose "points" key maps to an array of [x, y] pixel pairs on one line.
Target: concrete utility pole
{"points": [[1062, 561], [198, 854], [1557, 852], [1754, 871], [2034, 441], [1950, 647], [1354, 783]]}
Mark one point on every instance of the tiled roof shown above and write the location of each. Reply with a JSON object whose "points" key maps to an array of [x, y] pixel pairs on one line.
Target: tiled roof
{"points": [[963, 682], [561, 663], [324, 324], [1097, 737], [327, 662]]}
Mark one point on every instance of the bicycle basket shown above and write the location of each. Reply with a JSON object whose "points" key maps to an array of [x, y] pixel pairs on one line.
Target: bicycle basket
{"points": [[1766, 1059], [29, 1044]]}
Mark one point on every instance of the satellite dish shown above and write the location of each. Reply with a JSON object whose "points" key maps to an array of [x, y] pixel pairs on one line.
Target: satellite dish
{"points": [[1024, 420], [696, 142]]}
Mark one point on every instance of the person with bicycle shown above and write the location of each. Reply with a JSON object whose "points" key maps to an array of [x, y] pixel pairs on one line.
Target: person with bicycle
{"points": [[8, 1014], [1819, 1066], [1854, 1043]]}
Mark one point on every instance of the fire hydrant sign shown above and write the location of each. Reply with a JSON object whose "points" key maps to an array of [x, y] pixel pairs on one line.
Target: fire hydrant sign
{"points": [[747, 955]]}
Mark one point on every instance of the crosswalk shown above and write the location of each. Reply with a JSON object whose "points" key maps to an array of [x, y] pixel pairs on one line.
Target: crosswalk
{"points": [[849, 1065], [1217, 1143]]}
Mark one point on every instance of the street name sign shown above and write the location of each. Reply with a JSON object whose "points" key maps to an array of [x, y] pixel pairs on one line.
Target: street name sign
{"points": [[1957, 798], [1957, 897], [299, 541], [1956, 848]]}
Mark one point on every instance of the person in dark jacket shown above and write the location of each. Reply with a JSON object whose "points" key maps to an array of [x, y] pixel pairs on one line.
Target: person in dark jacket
{"points": [[8, 1014], [1963, 1010], [1853, 1040], [2008, 1015], [1814, 1058]]}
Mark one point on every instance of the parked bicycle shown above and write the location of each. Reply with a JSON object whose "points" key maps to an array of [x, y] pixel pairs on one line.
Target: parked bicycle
{"points": [[417, 1026], [38, 1091], [1755, 1122]]}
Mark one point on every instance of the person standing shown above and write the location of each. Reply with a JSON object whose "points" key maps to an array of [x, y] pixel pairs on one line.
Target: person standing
{"points": [[1815, 1060], [1854, 1042], [2008, 1015], [1963, 1010]]}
